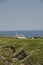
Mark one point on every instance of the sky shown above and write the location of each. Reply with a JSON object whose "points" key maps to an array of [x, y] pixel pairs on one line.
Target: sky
{"points": [[21, 15]]}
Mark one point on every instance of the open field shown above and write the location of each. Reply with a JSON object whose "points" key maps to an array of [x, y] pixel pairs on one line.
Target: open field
{"points": [[21, 51]]}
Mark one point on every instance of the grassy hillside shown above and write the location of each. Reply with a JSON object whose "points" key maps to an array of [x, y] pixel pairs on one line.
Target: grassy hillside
{"points": [[21, 51]]}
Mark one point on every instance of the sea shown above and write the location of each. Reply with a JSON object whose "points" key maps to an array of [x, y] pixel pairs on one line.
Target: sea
{"points": [[28, 34]]}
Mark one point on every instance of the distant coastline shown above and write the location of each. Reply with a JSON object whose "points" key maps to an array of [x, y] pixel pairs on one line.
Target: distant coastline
{"points": [[28, 34]]}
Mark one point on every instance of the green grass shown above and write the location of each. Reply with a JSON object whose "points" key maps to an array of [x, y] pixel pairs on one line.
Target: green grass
{"points": [[32, 47]]}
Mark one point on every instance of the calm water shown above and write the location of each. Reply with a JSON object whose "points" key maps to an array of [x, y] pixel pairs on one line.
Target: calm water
{"points": [[28, 34]]}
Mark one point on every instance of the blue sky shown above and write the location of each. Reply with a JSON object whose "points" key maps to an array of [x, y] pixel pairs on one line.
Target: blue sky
{"points": [[21, 15]]}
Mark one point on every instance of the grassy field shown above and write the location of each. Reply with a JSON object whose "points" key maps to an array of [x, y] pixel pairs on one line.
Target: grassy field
{"points": [[32, 48]]}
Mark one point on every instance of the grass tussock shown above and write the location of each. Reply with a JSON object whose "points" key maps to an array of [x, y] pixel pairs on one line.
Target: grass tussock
{"points": [[32, 48]]}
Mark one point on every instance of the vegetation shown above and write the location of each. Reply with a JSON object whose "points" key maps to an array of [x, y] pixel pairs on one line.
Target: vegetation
{"points": [[21, 51]]}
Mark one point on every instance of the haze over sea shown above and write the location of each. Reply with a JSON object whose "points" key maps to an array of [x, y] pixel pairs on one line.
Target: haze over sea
{"points": [[27, 34]]}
